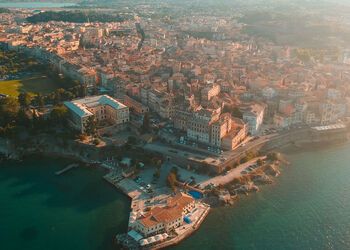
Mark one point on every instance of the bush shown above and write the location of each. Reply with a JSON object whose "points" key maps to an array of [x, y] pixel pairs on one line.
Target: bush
{"points": [[273, 156], [82, 137], [96, 141]]}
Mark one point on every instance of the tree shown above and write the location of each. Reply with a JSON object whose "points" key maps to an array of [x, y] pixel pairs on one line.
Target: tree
{"points": [[157, 173], [146, 123], [91, 126], [273, 156], [24, 99], [59, 114], [96, 141], [132, 140], [23, 118], [171, 181], [237, 113], [39, 100], [9, 108]]}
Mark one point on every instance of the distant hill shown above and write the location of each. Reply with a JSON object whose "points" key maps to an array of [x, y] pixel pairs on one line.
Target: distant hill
{"points": [[77, 17], [43, 1]]}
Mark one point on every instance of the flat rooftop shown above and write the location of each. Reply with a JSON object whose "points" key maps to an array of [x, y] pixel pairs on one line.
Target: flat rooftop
{"points": [[81, 106]]}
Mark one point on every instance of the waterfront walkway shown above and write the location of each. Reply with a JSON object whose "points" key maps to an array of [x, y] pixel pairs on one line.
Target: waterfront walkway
{"points": [[231, 175]]}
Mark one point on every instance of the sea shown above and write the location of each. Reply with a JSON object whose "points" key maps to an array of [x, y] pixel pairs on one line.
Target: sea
{"points": [[307, 207], [76, 210], [34, 5]]}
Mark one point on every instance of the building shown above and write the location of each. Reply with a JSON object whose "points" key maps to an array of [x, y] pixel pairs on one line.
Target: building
{"points": [[254, 116], [166, 218], [236, 135], [134, 105], [158, 101], [106, 110], [209, 92], [199, 125], [212, 127]]}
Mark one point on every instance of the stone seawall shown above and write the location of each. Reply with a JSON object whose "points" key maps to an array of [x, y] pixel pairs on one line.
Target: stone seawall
{"points": [[48, 146], [307, 137]]}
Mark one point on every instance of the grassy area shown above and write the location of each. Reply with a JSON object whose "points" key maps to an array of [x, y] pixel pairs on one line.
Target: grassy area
{"points": [[34, 84]]}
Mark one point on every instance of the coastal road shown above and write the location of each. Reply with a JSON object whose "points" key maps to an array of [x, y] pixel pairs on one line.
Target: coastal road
{"points": [[240, 151], [231, 175]]}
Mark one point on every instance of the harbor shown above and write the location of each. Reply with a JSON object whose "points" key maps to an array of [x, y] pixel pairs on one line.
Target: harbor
{"points": [[142, 202]]}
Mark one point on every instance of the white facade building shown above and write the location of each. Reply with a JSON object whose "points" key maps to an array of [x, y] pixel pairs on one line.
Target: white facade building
{"points": [[254, 116], [103, 108]]}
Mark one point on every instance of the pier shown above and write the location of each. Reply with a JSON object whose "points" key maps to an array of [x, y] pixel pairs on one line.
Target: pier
{"points": [[66, 169]]}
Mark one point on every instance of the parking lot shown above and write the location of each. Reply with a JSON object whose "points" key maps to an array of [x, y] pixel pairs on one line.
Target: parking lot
{"points": [[230, 175]]}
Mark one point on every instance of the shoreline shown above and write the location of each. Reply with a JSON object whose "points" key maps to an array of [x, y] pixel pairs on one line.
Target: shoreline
{"points": [[73, 156]]}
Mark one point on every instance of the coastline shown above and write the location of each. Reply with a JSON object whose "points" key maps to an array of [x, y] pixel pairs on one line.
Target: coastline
{"points": [[74, 156]]}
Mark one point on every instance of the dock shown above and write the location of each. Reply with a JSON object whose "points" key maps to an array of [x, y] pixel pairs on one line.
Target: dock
{"points": [[66, 169]]}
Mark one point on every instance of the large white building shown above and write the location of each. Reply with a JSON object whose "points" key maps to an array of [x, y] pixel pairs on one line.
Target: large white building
{"points": [[106, 110], [254, 116], [211, 127]]}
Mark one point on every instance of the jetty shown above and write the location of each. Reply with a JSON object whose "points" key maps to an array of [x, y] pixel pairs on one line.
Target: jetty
{"points": [[66, 169]]}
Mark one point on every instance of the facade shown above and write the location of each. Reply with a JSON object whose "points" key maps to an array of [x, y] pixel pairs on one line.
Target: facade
{"points": [[254, 116], [136, 106], [157, 101], [238, 133], [209, 92], [211, 127], [164, 219], [199, 125], [106, 110]]}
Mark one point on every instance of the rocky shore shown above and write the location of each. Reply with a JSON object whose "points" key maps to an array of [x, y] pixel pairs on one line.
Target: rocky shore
{"points": [[247, 183]]}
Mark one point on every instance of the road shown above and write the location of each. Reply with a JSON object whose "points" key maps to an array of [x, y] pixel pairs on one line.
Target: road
{"points": [[228, 156], [231, 175]]}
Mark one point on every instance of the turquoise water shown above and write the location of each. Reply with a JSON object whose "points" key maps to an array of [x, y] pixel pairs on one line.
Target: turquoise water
{"points": [[34, 5], [307, 208], [39, 210]]}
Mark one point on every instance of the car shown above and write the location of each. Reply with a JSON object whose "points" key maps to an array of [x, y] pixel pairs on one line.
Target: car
{"points": [[244, 172]]}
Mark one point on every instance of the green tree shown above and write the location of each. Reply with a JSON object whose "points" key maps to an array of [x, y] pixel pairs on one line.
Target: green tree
{"points": [[9, 108], [23, 118], [59, 115], [39, 100], [91, 126], [171, 181], [132, 140], [146, 123], [24, 99], [273, 156]]}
